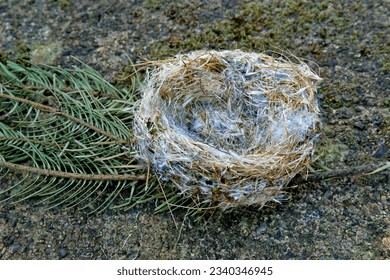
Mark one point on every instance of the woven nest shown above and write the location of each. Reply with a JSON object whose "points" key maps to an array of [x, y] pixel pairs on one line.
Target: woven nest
{"points": [[228, 127]]}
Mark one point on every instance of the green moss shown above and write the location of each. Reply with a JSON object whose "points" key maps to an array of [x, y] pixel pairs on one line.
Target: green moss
{"points": [[330, 151], [46, 54], [38, 54], [153, 5], [386, 63], [261, 26], [62, 3], [3, 57], [21, 52]]}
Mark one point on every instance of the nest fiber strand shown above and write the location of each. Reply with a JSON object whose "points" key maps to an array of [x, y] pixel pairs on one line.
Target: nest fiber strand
{"points": [[228, 127]]}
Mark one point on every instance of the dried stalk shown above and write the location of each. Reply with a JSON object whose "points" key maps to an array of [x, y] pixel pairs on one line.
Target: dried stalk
{"points": [[333, 174], [299, 179]]}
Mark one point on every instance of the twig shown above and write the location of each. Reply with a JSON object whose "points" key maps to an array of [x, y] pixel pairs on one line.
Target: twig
{"points": [[59, 113], [297, 180], [70, 175], [350, 171]]}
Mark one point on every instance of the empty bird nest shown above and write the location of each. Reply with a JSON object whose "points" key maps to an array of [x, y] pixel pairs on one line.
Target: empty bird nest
{"points": [[228, 127]]}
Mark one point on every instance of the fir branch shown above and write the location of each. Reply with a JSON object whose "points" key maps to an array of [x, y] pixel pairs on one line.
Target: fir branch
{"points": [[71, 175], [62, 89], [59, 113]]}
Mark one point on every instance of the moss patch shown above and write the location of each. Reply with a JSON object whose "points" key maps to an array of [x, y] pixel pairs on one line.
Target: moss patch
{"points": [[259, 26], [20, 52], [46, 54]]}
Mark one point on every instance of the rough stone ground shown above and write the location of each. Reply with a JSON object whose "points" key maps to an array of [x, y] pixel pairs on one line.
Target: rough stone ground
{"points": [[346, 218]]}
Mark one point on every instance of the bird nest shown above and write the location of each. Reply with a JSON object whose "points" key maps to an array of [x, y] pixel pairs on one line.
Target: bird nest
{"points": [[229, 127]]}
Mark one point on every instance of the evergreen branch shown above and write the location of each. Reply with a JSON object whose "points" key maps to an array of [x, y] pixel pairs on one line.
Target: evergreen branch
{"points": [[59, 113], [62, 89], [71, 175]]}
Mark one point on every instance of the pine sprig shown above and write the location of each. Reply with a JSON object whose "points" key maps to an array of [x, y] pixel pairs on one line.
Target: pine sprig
{"points": [[70, 132]]}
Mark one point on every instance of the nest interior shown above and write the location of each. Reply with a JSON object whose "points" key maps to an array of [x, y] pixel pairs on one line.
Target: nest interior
{"points": [[229, 127]]}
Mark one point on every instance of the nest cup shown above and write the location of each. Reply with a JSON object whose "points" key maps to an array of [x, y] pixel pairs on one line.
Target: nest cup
{"points": [[228, 127]]}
